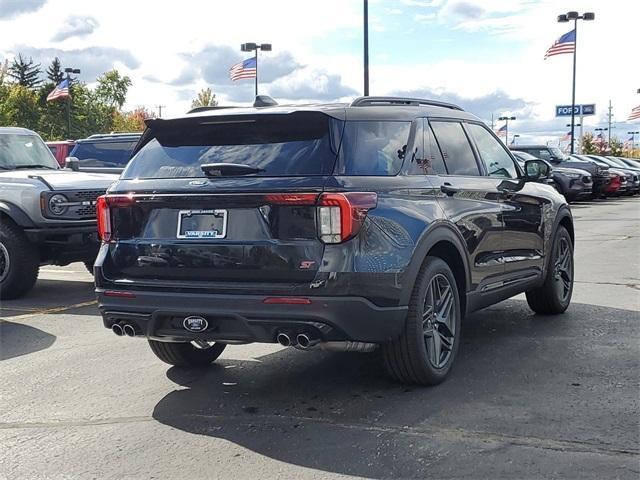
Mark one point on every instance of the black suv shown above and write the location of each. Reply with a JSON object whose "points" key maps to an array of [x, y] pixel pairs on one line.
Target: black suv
{"points": [[340, 226], [102, 153], [599, 174]]}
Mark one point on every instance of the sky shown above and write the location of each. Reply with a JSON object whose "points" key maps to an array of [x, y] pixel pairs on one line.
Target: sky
{"points": [[485, 55]]}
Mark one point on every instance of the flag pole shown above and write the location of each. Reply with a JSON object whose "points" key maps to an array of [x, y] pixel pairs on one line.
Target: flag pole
{"points": [[256, 57], [573, 91], [366, 47]]}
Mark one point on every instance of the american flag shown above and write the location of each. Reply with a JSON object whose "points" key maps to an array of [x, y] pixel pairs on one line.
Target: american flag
{"points": [[566, 137], [635, 113], [502, 130], [565, 44], [599, 139], [244, 69], [61, 90]]}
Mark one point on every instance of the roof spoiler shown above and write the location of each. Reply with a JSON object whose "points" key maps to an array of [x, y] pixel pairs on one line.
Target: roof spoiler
{"points": [[408, 101]]}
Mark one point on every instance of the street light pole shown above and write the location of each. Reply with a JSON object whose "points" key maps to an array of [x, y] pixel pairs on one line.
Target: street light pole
{"points": [[575, 16], [366, 48], [250, 47], [506, 129], [69, 71], [633, 139]]}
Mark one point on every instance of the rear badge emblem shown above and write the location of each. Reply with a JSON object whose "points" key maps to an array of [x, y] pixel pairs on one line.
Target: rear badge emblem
{"points": [[198, 183], [195, 324], [306, 264]]}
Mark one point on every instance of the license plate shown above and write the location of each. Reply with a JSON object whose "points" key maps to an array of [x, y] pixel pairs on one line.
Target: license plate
{"points": [[202, 224]]}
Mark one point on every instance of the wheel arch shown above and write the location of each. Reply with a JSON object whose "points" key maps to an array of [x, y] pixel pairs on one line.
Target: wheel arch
{"points": [[15, 213], [441, 240]]}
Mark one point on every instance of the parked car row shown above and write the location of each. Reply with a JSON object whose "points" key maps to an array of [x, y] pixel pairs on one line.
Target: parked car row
{"points": [[585, 176]]}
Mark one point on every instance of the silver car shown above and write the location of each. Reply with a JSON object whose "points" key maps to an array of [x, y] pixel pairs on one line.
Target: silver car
{"points": [[47, 214]]}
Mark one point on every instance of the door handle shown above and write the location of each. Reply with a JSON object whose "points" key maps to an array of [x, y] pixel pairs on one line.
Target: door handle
{"points": [[449, 189]]}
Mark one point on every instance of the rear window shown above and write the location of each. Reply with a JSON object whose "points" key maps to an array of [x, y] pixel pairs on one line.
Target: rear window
{"points": [[103, 154], [297, 144]]}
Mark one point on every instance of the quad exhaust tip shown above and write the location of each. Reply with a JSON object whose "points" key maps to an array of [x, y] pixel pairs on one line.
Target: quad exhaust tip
{"points": [[283, 339], [305, 341], [117, 329], [129, 331]]}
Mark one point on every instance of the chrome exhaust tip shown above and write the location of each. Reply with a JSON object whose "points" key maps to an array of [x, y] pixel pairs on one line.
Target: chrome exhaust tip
{"points": [[283, 339], [305, 341], [117, 329], [129, 330]]}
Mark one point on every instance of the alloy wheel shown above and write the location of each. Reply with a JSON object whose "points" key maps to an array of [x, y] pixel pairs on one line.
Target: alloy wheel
{"points": [[563, 271], [438, 321], [5, 262]]}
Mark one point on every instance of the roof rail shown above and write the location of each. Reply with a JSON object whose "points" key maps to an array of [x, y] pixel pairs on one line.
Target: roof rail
{"points": [[113, 134], [210, 107], [414, 102]]}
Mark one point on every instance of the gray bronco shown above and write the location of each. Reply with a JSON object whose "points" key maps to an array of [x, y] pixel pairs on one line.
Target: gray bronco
{"points": [[47, 214]]}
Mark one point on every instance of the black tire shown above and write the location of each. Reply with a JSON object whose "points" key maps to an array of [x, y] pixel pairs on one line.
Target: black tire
{"points": [[19, 261], [408, 359], [186, 354], [554, 295]]}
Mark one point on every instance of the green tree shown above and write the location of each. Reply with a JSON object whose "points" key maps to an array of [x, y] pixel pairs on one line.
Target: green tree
{"points": [[25, 73], [616, 147], [112, 89], [206, 98], [19, 107], [588, 146], [54, 72]]}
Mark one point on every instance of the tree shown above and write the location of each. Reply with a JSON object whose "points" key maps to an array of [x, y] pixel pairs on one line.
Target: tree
{"points": [[206, 98], [19, 107], [54, 72], [25, 73], [112, 89], [131, 121], [588, 145], [616, 147]]}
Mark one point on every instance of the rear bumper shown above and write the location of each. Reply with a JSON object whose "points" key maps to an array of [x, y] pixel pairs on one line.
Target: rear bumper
{"points": [[245, 318]]}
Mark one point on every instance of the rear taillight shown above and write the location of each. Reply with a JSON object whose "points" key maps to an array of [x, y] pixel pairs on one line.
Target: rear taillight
{"points": [[340, 215], [103, 211]]}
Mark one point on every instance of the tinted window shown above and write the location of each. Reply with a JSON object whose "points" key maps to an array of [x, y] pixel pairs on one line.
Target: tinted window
{"points": [[301, 143], [22, 151], [456, 150], [427, 159], [373, 148], [103, 154], [492, 153]]}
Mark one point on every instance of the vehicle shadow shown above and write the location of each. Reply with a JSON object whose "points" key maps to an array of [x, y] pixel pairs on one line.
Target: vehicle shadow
{"points": [[17, 339], [53, 294], [517, 378]]}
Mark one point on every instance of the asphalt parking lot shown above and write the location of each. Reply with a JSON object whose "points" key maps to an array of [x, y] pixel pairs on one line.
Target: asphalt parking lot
{"points": [[530, 396]]}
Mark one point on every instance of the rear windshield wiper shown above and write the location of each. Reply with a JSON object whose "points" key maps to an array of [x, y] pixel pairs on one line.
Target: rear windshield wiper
{"points": [[34, 166], [228, 169]]}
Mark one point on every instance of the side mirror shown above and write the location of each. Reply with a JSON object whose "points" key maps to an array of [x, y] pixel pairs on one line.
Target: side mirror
{"points": [[536, 170], [72, 163]]}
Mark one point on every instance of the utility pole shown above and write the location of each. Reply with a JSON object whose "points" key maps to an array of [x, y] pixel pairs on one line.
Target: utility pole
{"points": [[610, 115], [366, 48], [160, 107]]}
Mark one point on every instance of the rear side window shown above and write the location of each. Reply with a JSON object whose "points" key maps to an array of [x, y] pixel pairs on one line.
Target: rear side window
{"points": [[492, 153], [456, 150], [103, 154], [373, 147], [427, 159], [297, 144]]}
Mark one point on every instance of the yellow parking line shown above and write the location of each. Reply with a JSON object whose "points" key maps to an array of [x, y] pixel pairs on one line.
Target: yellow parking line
{"points": [[48, 311]]}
